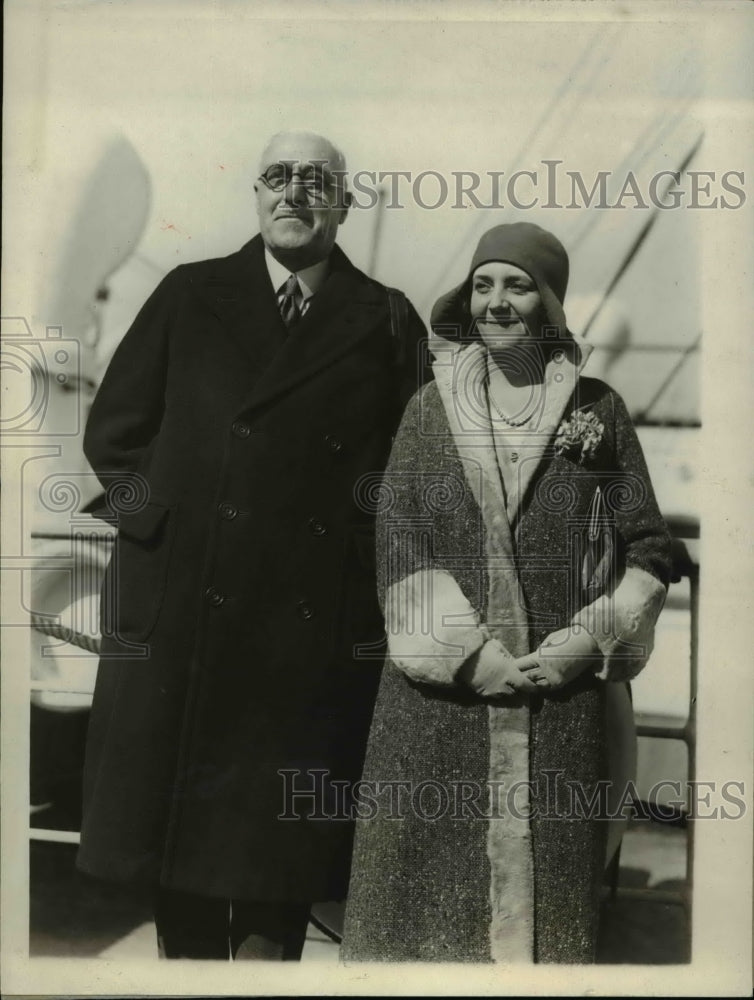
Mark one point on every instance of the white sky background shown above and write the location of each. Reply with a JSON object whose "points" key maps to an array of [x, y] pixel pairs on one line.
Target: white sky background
{"points": [[197, 87]]}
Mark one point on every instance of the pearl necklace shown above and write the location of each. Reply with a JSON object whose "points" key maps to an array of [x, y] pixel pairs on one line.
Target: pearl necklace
{"points": [[508, 420]]}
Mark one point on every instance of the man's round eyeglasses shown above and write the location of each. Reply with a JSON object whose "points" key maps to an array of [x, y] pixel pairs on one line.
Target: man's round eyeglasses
{"points": [[317, 182]]}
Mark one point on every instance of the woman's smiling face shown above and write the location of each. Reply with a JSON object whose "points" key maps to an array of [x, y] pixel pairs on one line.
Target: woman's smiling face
{"points": [[506, 305]]}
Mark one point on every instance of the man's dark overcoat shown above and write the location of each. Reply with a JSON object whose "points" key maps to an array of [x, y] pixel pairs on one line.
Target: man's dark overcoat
{"points": [[241, 464]]}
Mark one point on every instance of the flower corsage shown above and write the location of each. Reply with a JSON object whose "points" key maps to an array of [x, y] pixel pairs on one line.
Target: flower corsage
{"points": [[579, 436]]}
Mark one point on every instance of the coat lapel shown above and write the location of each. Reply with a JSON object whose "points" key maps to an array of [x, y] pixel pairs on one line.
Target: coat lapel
{"points": [[344, 311], [460, 376], [561, 378], [238, 291]]}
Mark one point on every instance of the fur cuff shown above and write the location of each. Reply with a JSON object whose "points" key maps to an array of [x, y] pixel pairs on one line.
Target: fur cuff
{"points": [[623, 624], [432, 628]]}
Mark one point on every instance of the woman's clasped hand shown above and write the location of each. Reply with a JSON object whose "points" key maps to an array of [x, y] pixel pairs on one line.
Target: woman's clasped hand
{"points": [[492, 672]]}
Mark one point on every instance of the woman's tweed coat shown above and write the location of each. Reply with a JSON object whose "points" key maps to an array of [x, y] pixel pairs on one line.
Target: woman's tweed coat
{"points": [[454, 884]]}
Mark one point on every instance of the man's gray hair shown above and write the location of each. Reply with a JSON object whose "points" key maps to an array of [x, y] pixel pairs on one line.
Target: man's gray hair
{"points": [[337, 158]]}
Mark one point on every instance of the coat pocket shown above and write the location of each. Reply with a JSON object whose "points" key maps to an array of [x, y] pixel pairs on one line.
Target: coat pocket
{"points": [[137, 575]]}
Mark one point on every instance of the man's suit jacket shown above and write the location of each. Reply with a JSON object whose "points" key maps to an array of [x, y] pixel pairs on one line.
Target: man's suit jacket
{"points": [[243, 465]]}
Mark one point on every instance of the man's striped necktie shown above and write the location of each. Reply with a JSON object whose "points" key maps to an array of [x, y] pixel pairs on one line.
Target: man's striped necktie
{"points": [[292, 302]]}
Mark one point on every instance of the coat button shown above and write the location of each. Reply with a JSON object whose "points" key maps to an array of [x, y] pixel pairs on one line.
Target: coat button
{"points": [[333, 444], [317, 527], [214, 597], [227, 511], [305, 610], [240, 429]]}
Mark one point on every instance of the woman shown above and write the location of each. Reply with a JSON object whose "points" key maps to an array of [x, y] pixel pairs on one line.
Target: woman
{"points": [[523, 563]]}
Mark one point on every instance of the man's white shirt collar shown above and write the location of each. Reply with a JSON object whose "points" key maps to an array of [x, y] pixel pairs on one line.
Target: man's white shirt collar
{"points": [[310, 279]]}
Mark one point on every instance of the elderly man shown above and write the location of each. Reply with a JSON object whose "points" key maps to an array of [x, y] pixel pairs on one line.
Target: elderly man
{"points": [[237, 430]]}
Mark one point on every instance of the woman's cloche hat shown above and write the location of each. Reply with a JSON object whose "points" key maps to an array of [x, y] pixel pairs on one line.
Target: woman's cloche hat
{"points": [[525, 245]]}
